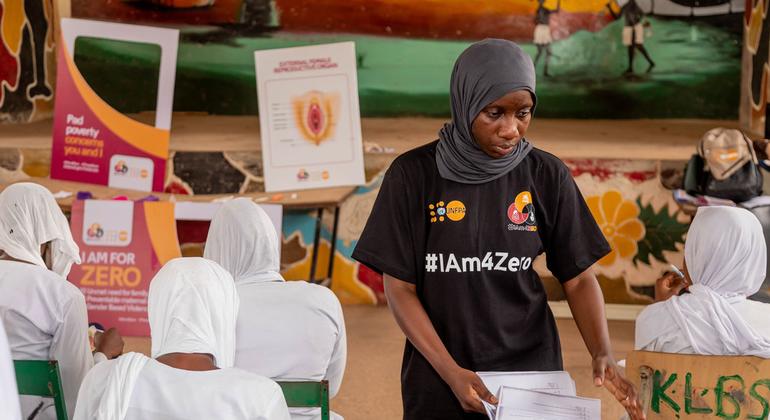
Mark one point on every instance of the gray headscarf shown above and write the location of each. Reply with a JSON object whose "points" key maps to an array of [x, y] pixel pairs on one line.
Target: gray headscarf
{"points": [[485, 72]]}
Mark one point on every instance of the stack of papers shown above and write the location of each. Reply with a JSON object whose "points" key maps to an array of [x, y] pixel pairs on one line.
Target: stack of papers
{"points": [[556, 382], [537, 395]]}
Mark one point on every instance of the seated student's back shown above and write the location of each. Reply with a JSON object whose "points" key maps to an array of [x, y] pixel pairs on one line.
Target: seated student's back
{"points": [[288, 331], [46, 320], [192, 308], [44, 315], [165, 393], [725, 261]]}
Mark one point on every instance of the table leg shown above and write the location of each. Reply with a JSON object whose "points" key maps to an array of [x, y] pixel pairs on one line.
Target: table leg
{"points": [[316, 243], [330, 272]]}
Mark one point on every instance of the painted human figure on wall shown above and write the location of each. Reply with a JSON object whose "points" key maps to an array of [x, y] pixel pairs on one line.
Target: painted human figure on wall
{"points": [[542, 36], [25, 32], [633, 32]]}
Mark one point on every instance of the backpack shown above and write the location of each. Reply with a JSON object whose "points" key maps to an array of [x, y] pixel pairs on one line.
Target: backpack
{"points": [[724, 167]]}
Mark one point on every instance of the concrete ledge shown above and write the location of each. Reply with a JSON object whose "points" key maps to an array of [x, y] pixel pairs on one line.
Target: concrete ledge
{"points": [[594, 139], [614, 311]]}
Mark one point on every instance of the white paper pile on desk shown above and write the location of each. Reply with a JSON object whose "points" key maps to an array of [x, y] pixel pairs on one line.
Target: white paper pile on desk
{"points": [[537, 395]]}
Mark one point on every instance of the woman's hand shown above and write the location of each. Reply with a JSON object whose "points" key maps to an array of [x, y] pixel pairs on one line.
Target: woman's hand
{"points": [[587, 305], [469, 389], [606, 373], [667, 286]]}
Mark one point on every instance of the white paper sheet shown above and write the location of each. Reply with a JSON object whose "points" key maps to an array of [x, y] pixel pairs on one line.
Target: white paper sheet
{"points": [[556, 382], [522, 404]]}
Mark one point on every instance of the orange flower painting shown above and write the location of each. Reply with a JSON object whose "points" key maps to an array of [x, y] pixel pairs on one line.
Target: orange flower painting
{"points": [[620, 224]]}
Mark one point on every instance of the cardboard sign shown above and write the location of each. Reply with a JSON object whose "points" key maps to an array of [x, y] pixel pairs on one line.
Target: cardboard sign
{"points": [[122, 245], [701, 387], [93, 142], [309, 117]]}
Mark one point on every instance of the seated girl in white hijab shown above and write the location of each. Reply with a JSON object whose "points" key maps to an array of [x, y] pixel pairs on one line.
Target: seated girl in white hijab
{"points": [[288, 331], [725, 261], [192, 307], [45, 315]]}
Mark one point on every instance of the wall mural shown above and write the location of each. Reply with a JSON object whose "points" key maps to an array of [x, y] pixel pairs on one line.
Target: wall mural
{"points": [[639, 218], [27, 61], [596, 58]]}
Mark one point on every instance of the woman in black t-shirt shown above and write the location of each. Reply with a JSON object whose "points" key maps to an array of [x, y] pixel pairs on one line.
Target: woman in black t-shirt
{"points": [[455, 229]]}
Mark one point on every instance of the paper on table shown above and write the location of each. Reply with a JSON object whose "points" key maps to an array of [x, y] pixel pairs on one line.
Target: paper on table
{"points": [[62, 194], [522, 404], [555, 382]]}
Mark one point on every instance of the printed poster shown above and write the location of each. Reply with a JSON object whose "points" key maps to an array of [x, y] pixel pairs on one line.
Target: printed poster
{"points": [[122, 245], [93, 142], [309, 117]]}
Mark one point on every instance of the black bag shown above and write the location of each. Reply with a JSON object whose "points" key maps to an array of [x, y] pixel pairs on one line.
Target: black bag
{"points": [[742, 185], [739, 187]]}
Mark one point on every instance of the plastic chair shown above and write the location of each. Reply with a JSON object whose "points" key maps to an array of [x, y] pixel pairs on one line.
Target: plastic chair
{"points": [[307, 394], [41, 378]]}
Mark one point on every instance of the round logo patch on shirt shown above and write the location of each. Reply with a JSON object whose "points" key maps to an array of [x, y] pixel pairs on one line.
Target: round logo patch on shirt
{"points": [[454, 211], [522, 213]]}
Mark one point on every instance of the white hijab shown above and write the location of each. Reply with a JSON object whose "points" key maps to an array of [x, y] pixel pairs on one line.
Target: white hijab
{"points": [[726, 255], [192, 308], [30, 217], [242, 239], [9, 393]]}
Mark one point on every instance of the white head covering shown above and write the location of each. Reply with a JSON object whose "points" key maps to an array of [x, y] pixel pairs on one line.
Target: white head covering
{"points": [[30, 217], [192, 308], [9, 393], [242, 239], [726, 255]]}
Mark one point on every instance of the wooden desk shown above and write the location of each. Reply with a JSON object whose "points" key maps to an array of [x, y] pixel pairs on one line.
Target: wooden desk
{"points": [[318, 199]]}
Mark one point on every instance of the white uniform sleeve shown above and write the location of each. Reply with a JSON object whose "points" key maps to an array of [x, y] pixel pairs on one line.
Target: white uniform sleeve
{"points": [[85, 400], [71, 348], [277, 410], [9, 395], [91, 391], [336, 369]]}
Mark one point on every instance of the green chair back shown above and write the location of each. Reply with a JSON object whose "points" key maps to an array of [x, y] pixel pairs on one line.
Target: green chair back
{"points": [[41, 378], [307, 394]]}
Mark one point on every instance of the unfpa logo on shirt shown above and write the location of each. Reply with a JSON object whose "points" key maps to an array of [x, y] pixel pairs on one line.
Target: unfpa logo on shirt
{"points": [[454, 211], [522, 213]]}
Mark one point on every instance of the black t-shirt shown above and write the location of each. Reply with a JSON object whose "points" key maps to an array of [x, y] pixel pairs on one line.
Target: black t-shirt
{"points": [[469, 250]]}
